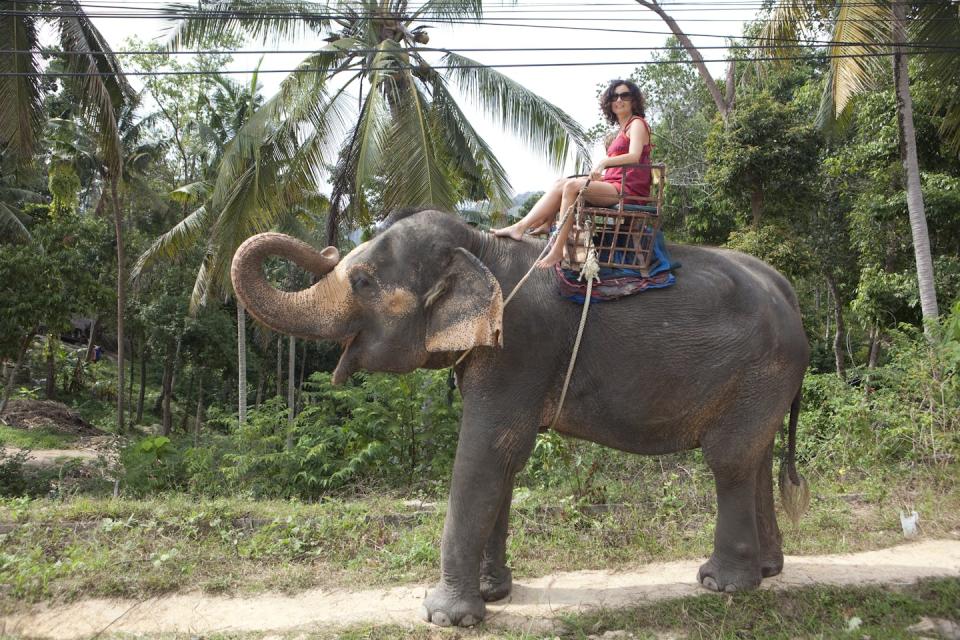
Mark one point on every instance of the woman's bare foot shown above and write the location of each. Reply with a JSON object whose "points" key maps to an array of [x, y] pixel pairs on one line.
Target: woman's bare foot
{"points": [[542, 230], [552, 258], [514, 231]]}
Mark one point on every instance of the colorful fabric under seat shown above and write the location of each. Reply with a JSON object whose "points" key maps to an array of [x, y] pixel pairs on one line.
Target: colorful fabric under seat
{"points": [[620, 282]]}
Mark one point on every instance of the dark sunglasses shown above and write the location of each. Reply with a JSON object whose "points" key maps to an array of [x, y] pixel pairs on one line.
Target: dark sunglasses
{"points": [[623, 95]]}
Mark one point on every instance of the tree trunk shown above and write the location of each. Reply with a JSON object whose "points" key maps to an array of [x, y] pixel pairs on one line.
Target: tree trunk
{"points": [[187, 401], [291, 385], [241, 364], [261, 382], [839, 334], [874, 347], [51, 390], [91, 345], [279, 366], [130, 409], [756, 203], [165, 391], [143, 383], [121, 299], [722, 106], [12, 376], [908, 155], [198, 420], [303, 366]]}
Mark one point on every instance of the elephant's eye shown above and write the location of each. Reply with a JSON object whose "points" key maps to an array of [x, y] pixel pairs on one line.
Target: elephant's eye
{"points": [[359, 281]]}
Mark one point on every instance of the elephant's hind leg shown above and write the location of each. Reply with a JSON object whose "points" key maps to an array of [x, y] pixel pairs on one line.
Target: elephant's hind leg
{"points": [[496, 579], [771, 542], [735, 563]]}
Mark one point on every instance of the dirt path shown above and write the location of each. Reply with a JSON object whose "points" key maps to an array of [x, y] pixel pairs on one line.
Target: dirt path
{"points": [[533, 604], [48, 457]]}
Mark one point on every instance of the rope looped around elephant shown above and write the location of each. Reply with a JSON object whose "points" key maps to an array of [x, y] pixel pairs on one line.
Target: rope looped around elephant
{"points": [[590, 271]]}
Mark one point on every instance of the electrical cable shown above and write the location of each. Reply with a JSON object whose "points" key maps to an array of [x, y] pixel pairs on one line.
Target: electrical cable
{"points": [[366, 69]]}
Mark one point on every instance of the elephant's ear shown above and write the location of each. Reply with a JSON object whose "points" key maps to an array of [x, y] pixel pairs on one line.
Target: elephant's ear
{"points": [[465, 307]]}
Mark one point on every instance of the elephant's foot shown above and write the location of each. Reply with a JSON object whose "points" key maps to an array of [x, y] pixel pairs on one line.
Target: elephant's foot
{"points": [[445, 608], [771, 563], [495, 583], [728, 577]]}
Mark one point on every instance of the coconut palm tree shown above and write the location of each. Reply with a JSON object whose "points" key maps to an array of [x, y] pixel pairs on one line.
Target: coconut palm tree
{"points": [[99, 87], [866, 28], [410, 135]]}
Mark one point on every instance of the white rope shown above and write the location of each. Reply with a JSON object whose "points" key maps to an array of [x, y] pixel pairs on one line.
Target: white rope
{"points": [[594, 270], [516, 288], [590, 271]]}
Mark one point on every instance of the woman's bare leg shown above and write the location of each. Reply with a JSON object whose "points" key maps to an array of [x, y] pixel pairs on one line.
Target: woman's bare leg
{"points": [[545, 209], [597, 193]]}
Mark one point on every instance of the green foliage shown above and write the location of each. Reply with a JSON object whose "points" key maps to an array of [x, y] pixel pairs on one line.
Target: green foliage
{"points": [[906, 411], [762, 159], [389, 429], [12, 480], [384, 429], [152, 464]]}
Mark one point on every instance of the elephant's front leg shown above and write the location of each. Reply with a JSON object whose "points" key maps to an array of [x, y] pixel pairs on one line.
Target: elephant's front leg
{"points": [[487, 459], [496, 579]]}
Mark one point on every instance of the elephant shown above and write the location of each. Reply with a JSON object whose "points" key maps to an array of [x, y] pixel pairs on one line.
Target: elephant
{"points": [[716, 361]]}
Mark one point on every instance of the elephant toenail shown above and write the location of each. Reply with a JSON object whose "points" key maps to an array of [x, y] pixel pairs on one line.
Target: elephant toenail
{"points": [[441, 619], [468, 621], [730, 588], [711, 584]]}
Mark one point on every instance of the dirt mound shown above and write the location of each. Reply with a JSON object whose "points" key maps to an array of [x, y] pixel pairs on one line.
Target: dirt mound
{"points": [[48, 415]]}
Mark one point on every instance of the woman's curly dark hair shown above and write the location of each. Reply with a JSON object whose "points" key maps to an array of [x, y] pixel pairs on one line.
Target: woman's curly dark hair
{"points": [[607, 99]]}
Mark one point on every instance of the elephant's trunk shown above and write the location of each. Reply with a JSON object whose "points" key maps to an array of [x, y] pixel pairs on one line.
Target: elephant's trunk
{"points": [[319, 312]]}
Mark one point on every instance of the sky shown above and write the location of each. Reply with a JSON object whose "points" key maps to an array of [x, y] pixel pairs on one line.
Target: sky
{"points": [[572, 88]]}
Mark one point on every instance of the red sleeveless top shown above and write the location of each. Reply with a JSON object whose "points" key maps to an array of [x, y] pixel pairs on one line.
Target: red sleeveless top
{"points": [[638, 180]]}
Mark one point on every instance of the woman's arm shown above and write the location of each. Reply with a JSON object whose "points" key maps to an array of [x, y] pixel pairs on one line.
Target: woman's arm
{"points": [[639, 138]]}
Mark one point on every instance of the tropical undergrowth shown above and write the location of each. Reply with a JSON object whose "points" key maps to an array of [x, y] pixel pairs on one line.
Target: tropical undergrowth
{"points": [[353, 492]]}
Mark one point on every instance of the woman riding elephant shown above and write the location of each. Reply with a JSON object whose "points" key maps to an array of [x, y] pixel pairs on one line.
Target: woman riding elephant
{"points": [[623, 105]]}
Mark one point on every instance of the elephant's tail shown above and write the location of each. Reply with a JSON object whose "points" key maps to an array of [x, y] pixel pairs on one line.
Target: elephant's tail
{"points": [[794, 491]]}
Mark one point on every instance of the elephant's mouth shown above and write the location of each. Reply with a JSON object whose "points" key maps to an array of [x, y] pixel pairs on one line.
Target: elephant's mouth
{"points": [[347, 364]]}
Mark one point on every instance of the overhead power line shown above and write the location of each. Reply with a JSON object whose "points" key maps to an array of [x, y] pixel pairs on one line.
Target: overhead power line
{"points": [[539, 11], [363, 68], [482, 22], [949, 46]]}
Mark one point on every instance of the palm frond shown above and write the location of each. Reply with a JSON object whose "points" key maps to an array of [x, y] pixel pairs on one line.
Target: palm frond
{"points": [[264, 20], [21, 103], [936, 25], [10, 224], [474, 159], [370, 135], [193, 192], [103, 89], [201, 285], [414, 176], [787, 22], [446, 9], [830, 121], [859, 29], [184, 235], [543, 127]]}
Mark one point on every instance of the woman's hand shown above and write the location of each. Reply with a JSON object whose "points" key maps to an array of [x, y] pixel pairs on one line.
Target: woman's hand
{"points": [[597, 172]]}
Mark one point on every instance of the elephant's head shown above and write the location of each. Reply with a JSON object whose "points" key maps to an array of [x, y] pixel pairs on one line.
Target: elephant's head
{"points": [[392, 302]]}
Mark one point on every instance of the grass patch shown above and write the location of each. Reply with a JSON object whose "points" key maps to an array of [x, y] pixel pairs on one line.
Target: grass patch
{"points": [[662, 510], [813, 612], [35, 438]]}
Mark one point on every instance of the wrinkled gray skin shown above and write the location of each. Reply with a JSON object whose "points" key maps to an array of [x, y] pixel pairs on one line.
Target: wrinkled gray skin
{"points": [[712, 362]]}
